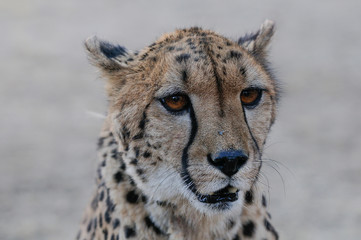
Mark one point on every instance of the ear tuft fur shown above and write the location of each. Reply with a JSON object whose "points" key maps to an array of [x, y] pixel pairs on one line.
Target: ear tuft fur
{"points": [[257, 43], [106, 56]]}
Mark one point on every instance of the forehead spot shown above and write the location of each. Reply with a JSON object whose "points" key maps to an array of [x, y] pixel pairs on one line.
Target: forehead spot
{"points": [[183, 57], [243, 71], [235, 54]]}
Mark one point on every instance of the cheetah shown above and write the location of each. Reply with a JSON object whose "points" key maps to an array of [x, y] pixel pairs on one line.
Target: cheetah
{"points": [[180, 151]]}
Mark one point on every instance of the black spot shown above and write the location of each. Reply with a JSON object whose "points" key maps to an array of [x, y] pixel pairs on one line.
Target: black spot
{"points": [[170, 48], [220, 48], [270, 228], [140, 171], [107, 217], [138, 136], [132, 197], [136, 150], [134, 161], [110, 204], [112, 142], [184, 76], [94, 203], [152, 45], [183, 57], [123, 167], [236, 237], [118, 177], [89, 227], [230, 224], [144, 56], [100, 142], [144, 199], [147, 154], [243, 71], [162, 203], [131, 181], [130, 59], [114, 153], [112, 238], [248, 229], [150, 224], [179, 49], [95, 222], [154, 59], [125, 133], [218, 56], [224, 70], [264, 201], [248, 197], [116, 223], [129, 232], [105, 232], [235, 54], [78, 235], [99, 173], [103, 163], [100, 220]]}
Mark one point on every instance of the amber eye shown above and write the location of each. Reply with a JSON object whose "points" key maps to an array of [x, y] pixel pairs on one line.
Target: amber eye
{"points": [[176, 102], [250, 97]]}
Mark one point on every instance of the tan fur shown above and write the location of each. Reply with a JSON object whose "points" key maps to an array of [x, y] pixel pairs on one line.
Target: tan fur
{"points": [[141, 172]]}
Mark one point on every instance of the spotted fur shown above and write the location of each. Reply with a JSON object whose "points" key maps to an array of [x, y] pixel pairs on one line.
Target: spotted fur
{"points": [[153, 168]]}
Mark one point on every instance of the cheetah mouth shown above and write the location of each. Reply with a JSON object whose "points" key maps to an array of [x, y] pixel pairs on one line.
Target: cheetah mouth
{"points": [[227, 194]]}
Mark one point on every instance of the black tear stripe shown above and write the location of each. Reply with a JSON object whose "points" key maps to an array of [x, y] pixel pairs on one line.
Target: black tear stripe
{"points": [[185, 174], [254, 141]]}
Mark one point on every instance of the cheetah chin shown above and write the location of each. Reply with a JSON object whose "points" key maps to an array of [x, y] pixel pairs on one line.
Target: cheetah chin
{"points": [[180, 152]]}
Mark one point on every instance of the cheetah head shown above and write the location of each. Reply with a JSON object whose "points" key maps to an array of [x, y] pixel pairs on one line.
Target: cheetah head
{"points": [[191, 113]]}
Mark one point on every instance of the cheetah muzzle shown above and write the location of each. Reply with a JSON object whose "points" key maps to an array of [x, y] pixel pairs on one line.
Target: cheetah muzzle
{"points": [[180, 152]]}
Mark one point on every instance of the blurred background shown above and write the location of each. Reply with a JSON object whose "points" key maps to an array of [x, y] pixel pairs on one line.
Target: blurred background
{"points": [[49, 97]]}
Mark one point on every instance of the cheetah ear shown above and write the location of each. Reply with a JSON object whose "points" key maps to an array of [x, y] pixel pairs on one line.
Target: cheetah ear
{"points": [[257, 43], [106, 56]]}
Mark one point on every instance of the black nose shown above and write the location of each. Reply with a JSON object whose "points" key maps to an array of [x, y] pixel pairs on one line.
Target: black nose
{"points": [[229, 162]]}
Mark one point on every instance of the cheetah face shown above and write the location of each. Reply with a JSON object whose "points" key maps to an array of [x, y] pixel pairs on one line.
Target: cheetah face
{"points": [[191, 113]]}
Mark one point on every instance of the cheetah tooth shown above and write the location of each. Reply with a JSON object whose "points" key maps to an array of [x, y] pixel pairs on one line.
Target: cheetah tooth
{"points": [[232, 189]]}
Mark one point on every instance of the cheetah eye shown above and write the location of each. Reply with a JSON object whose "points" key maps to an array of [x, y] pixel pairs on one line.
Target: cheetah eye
{"points": [[250, 97], [175, 103]]}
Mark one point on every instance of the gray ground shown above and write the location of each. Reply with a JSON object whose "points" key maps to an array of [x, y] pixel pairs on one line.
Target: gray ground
{"points": [[47, 89]]}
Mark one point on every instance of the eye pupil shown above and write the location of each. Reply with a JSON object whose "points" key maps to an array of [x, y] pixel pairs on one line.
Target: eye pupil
{"points": [[175, 98]]}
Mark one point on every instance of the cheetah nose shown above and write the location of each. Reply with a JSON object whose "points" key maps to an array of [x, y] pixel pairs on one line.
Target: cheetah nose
{"points": [[229, 162]]}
